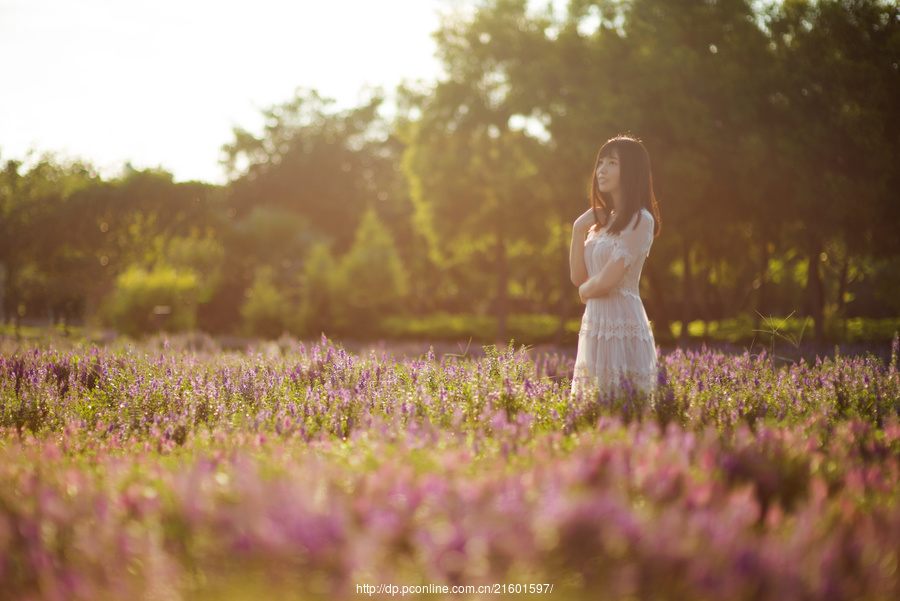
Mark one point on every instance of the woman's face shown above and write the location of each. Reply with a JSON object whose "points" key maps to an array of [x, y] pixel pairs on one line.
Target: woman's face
{"points": [[608, 173]]}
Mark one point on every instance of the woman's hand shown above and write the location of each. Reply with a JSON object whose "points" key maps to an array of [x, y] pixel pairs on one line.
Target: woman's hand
{"points": [[585, 291], [584, 222], [577, 269]]}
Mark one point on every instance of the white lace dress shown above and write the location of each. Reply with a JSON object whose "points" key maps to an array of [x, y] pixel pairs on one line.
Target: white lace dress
{"points": [[616, 342]]}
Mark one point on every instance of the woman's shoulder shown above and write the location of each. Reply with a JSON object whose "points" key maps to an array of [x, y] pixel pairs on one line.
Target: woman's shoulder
{"points": [[640, 218], [646, 218]]}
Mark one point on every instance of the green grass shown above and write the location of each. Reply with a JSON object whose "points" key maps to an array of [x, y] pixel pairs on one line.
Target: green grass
{"points": [[543, 329]]}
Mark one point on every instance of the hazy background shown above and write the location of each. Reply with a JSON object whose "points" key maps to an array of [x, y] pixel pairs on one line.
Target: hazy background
{"points": [[412, 169], [162, 83]]}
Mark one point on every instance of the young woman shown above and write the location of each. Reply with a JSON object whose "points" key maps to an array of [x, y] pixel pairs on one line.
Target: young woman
{"points": [[609, 244]]}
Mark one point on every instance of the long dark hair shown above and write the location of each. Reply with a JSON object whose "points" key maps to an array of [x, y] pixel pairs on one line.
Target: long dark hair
{"points": [[636, 181]]}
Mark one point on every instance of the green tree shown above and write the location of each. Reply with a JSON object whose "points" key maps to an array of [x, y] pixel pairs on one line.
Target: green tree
{"points": [[306, 180], [267, 310], [473, 176], [38, 258], [322, 164], [840, 86], [128, 223], [373, 280], [689, 61], [320, 287]]}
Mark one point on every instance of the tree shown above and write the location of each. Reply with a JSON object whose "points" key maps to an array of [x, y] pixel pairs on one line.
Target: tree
{"points": [[473, 177], [306, 181], [134, 222], [373, 279], [320, 286], [840, 80], [34, 215], [267, 310], [324, 165]]}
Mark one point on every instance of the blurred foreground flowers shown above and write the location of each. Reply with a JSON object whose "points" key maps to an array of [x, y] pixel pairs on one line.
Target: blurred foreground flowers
{"points": [[298, 472]]}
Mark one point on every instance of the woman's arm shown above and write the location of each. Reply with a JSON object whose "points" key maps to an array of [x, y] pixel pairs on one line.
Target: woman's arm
{"points": [[602, 283], [631, 243], [577, 268]]}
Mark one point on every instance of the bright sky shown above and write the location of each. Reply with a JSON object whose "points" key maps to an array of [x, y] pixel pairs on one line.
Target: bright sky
{"points": [[161, 83]]}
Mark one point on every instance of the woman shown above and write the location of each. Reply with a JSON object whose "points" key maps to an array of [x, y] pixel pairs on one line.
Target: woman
{"points": [[609, 244]]}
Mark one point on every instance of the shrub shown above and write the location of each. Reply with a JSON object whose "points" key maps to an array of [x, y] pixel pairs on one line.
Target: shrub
{"points": [[318, 291], [267, 311], [161, 299], [373, 280]]}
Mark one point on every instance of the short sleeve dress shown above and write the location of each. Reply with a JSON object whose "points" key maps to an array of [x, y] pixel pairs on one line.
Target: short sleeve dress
{"points": [[615, 343]]}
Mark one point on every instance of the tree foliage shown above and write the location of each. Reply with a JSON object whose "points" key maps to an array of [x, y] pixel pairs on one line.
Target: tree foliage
{"points": [[772, 128]]}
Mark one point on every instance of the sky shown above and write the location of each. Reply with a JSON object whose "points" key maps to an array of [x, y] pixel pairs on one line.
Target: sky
{"points": [[162, 83]]}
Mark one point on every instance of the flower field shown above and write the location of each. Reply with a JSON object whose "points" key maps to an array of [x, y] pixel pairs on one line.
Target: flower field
{"points": [[295, 471]]}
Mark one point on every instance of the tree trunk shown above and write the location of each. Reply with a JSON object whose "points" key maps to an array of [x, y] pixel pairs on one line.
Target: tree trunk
{"points": [[762, 299], [564, 301], [659, 308], [2, 298], [815, 291], [842, 288], [502, 289], [703, 299], [840, 305], [687, 292], [11, 297]]}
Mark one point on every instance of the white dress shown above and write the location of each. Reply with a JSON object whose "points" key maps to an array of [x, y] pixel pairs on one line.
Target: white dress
{"points": [[616, 343]]}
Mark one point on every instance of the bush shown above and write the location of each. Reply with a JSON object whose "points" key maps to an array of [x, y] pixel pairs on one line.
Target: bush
{"points": [[267, 312], [790, 330], [318, 291], [373, 281], [162, 299]]}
